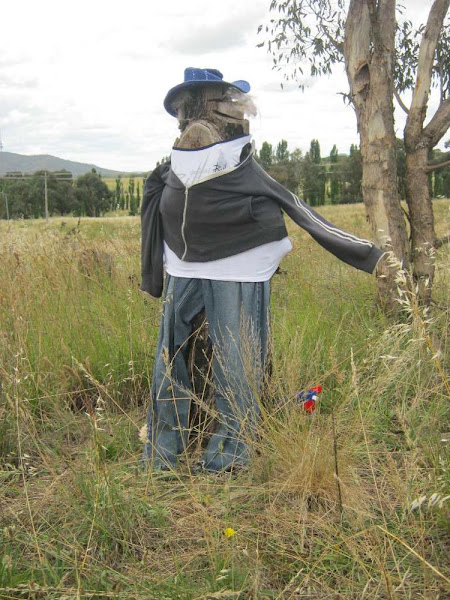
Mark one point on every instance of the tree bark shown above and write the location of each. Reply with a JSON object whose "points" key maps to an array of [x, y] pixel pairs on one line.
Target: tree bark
{"points": [[420, 207], [418, 142], [369, 54], [437, 166], [439, 124]]}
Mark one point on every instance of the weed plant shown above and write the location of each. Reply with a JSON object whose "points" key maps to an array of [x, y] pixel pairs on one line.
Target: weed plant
{"points": [[352, 502]]}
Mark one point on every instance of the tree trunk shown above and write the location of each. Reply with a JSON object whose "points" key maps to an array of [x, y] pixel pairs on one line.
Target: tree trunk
{"points": [[369, 53], [421, 218], [418, 141], [199, 134]]}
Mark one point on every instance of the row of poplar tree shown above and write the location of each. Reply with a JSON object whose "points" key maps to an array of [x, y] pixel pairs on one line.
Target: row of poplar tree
{"points": [[334, 179], [23, 196]]}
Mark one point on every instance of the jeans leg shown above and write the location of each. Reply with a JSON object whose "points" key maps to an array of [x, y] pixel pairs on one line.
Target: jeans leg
{"points": [[168, 413], [238, 316]]}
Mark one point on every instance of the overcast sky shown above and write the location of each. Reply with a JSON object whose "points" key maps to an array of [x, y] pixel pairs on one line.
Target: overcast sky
{"points": [[86, 80]]}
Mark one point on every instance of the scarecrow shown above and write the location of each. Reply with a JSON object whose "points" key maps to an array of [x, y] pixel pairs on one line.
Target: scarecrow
{"points": [[212, 220]]}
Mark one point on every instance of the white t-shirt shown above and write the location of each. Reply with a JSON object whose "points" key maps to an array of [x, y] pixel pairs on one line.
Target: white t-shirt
{"points": [[256, 264]]}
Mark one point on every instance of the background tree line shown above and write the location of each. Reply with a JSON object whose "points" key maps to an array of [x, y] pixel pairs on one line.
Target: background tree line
{"points": [[337, 178], [333, 179], [23, 196]]}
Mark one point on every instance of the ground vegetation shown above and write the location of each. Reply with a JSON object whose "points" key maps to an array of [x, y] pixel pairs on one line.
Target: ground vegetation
{"points": [[351, 502]]}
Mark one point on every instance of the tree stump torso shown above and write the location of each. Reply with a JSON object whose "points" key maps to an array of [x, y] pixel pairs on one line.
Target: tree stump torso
{"points": [[206, 118]]}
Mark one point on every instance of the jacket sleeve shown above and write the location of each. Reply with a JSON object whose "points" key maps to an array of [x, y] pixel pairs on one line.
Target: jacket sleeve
{"points": [[152, 249], [357, 252]]}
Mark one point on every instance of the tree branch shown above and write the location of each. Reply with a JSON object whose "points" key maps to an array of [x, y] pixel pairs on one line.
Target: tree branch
{"points": [[356, 43], [439, 124], [324, 28], [386, 20], [430, 168], [427, 50], [338, 45], [441, 241], [400, 101]]}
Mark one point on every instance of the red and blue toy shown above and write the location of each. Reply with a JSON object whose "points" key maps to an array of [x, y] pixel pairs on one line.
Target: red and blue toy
{"points": [[309, 398]]}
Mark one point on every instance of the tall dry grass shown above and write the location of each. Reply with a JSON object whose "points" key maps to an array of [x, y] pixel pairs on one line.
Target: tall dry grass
{"points": [[348, 503]]}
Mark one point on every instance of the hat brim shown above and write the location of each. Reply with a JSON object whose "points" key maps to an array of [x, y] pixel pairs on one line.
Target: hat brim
{"points": [[241, 86]]}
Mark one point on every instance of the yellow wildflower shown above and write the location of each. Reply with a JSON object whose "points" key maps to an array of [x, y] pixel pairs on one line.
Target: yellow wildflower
{"points": [[229, 532]]}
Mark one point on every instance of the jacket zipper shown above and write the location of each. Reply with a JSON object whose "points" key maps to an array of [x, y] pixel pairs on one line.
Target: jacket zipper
{"points": [[186, 193], [183, 225]]}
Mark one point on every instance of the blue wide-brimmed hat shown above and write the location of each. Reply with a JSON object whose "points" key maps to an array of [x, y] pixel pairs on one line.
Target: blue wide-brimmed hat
{"points": [[194, 77]]}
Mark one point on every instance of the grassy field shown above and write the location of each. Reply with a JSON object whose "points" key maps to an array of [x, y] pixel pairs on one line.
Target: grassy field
{"points": [[351, 503]]}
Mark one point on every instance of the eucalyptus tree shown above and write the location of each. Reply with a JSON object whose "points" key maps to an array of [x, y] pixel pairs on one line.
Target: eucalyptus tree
{"points": [[335, 177], [353, 176], [266, 155], [282, 153], [383, 56], [92, 194], [314, 175], [118, 192]]}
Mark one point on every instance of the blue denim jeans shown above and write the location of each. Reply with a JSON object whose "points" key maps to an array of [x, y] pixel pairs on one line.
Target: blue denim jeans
{"points": [[238, 317]]}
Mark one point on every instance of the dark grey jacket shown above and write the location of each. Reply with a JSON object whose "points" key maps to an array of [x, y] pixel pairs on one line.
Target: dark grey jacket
{"points": [[227, 213]]}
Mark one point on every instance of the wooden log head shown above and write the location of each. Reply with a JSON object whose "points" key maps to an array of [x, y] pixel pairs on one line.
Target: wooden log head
{"points": [[211, 114]]}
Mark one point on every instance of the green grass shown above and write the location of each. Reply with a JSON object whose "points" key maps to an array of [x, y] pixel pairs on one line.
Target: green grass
{"points": [[79, 519]]}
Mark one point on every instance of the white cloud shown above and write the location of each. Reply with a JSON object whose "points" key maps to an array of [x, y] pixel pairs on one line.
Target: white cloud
{"points": [[218, 34], [11, 83]]}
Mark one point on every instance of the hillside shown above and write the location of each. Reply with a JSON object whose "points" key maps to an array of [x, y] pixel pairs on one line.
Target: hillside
{"points": [[9, 161]]}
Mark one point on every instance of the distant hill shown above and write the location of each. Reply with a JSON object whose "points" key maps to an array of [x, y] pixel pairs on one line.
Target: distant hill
{"points": [[9, 161]]}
